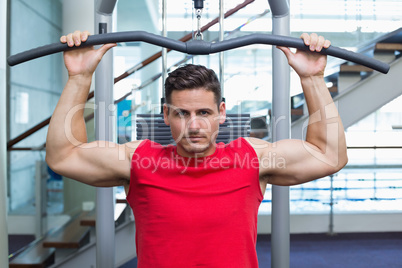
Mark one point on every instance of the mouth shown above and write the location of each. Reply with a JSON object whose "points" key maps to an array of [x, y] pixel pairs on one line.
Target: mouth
{"points": [[195, 138]]}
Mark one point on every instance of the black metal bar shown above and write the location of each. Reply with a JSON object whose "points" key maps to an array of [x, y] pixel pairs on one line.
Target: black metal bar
{"points": [[278, 40], [198, 47], [99, 39]]}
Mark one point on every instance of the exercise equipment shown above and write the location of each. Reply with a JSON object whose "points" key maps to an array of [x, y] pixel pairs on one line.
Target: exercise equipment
{"points": [[198, 47]]}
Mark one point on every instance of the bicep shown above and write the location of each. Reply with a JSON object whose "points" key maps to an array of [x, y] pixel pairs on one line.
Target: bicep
{"points": [[290, 162], [99, 163]]}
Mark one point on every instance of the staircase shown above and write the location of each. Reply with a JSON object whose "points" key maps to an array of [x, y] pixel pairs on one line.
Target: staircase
{"points": [[74, 244], [357, 90]]}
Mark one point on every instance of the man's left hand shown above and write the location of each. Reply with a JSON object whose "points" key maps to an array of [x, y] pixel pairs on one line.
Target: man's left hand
{"points": [[308, 63]]}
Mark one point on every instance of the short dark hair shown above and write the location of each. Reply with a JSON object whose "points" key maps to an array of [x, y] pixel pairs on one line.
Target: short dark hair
{"points": [[192, 76]]}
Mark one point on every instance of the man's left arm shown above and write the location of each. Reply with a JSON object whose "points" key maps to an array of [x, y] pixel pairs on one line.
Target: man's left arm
{"points": [[290, 162]]}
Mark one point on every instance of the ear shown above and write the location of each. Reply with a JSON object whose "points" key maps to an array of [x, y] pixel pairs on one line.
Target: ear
{"points": [[222, 112], [165, 114]]}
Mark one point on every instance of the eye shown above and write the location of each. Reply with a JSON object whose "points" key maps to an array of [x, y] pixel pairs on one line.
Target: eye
{"points": [[181, 113], [204, 113]]}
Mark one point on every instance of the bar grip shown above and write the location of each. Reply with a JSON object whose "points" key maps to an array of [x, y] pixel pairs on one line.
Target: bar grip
{"points": [[198, 47]]}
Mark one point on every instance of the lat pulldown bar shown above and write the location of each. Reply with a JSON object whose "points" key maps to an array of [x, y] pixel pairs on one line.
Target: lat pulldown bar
{"points": [[198, 47]]}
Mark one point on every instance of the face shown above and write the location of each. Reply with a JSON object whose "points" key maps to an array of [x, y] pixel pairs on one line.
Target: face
{"points": [[194, 119]]}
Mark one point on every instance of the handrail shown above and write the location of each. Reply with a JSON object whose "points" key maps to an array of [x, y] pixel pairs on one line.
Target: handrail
{"points": [[131, 71], [373, 147], [198, 47], [32, 130]]}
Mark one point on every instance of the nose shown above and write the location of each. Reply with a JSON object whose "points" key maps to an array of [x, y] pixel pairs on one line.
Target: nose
{"points": [[194, 123]]}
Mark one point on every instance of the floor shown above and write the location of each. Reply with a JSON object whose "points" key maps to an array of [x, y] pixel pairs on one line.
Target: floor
{"points": [[352, 250], [355, 250]]}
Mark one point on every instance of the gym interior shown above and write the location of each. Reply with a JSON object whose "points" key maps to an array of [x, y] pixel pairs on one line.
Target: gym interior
{"points": [[350, 219]]}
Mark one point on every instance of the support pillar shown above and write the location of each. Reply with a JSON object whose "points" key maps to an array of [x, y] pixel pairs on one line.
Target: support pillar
{"points": [[222, 54], [3, 136], [104, 131], [280, 234]]}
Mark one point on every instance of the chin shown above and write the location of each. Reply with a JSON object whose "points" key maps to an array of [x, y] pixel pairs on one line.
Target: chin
{"points": [[196, 148]]}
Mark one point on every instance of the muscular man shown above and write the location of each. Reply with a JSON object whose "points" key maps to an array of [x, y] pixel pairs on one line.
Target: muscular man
{"points": [[196, 203]]}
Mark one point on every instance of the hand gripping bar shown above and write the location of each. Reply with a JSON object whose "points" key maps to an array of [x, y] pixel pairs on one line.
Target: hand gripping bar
{"points": [[198, 47]]}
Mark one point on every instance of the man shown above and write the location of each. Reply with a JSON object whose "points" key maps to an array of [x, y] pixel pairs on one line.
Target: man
{"points": [[195, 204]]}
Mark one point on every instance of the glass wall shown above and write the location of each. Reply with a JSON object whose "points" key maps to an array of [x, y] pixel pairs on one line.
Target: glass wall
{"points": [[371, 181], [34, 88]]}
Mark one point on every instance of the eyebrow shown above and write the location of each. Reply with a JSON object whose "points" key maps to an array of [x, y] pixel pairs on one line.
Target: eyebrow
{"points": [[198, 110]]}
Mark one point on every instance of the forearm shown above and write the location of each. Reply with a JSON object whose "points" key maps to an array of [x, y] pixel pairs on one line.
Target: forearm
{"points": [[67, 125], [325, 130]]}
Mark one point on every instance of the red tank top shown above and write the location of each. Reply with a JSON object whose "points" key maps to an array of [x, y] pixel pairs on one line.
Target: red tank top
{"points": [[195, 212]]}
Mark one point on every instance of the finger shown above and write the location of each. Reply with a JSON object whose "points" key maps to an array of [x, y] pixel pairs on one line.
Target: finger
{"points": [[313, 41], [320, 43], [77, 38], [103, 49], [327, 44], [286, 51], [63, 39], [69, 39], [84, 36], [306, 38]]}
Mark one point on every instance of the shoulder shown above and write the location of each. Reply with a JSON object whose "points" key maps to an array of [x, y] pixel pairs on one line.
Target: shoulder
{"points": [[255, 142], [247, 145], [258, 145], [132, 146], [143, 146]]}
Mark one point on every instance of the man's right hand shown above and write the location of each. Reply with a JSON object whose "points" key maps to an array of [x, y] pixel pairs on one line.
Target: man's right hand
{"points": [[82, 62], [68, 153]]}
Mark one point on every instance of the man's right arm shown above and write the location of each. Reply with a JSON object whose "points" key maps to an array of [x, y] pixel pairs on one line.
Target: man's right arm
{"points": [[68, 153]]}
